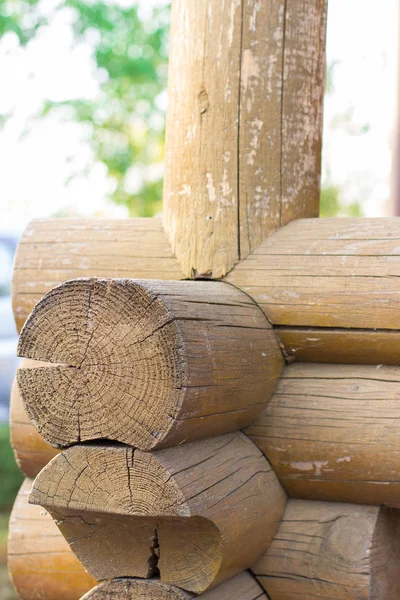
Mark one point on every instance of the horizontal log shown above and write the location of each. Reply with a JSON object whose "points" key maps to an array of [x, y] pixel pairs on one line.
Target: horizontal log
{"points": [[366, 347], [31, 452], [52, 251], [332, 432], [324, 274], [40, 562], [148, 363], [333, 551], [241, 587], [188, 509]]}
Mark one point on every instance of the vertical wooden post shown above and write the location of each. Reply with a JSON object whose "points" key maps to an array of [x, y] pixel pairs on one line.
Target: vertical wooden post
{"points": [[243, 146]]}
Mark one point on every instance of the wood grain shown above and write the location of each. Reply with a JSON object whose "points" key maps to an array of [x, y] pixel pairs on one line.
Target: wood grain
{"points": [[332, 432], [148, 363], [333, 551], [188, 509], [241, 587], [365, 346], [244, 124], [329, 274], [40, 562], [31, 452], [52, 251]]}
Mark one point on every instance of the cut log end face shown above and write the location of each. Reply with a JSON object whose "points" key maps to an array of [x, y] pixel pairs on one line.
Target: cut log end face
{"points": [[179, 512], [241, 587], [134, 589], [150, 363]]}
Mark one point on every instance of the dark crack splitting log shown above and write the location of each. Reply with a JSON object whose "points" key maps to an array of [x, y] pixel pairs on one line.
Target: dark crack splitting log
{"points": [[154, 571], [187, 509], [333, 550], [151, 364]]}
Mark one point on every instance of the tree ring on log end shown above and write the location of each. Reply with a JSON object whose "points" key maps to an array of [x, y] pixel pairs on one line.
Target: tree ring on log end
{"points": [[241, 587], [147, 363]]}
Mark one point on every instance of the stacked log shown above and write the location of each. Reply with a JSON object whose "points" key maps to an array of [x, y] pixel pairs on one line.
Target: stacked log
{"points": [[151, 363], [162, 424], [40, 561], [331, 433], [333, 551], [178, 361]]}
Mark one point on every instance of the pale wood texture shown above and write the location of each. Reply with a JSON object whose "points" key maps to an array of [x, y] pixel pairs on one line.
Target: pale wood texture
{"points": [[243, 144], [241, 587], [31, 452], [148, 363], [333, 551], [345, 346], [198, 514], [331, 432], [41, 564], [321, 274], [52, 251]]}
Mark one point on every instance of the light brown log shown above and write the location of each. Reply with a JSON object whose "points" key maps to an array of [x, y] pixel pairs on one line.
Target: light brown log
{"points": [[151, 364], [241, 587], [52, 251], [197, 514], [324, 274], [31, 452], [333, 551], [365, 346], [243, 144], [332, 432], [41, 564]]}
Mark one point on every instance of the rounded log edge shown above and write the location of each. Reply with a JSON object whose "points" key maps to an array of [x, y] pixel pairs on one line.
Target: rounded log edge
{"points": [[148, 363], [187, 508], [31, 452], [241, 587], [331, 432], [40, 562], [333, 550]]}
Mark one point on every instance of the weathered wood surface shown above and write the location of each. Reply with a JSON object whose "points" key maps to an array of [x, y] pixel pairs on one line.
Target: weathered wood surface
{"points": [[324, 274], [52, 251], [333, 551], [198, 514], [332, 432], [151, 364], [244, 123], [40, 562], [31, 452], [241, 587], [345, 346]]}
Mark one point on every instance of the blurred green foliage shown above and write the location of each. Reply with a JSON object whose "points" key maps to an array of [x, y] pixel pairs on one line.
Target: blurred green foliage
{"points": [[126, 121], [10, 476]]}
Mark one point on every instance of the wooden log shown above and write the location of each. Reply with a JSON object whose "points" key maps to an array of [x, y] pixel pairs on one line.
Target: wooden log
{"points": [[331, 432], [151, 364], [52, 251], [187, 509], [40, 562], [241, 587], [334, 279], [31, 452], [333, 551], [246, 83]]}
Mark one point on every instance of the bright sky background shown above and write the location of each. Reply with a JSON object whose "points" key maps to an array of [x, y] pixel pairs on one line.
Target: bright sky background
{"points": [[38, 157]]}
